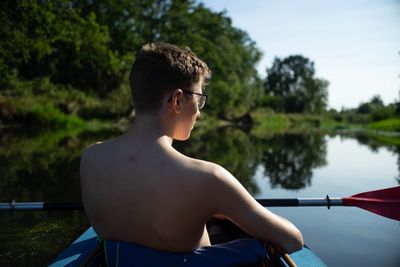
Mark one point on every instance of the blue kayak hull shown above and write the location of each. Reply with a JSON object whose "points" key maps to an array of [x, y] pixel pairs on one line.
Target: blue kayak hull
{"points": [[81, 251], [84, 251]]}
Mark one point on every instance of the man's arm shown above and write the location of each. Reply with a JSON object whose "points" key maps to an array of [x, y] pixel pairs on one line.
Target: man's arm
{"points": [[230, 199]]}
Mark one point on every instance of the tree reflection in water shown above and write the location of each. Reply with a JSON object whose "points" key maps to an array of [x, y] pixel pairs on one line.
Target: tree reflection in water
{"points": [[375, 141], [289, 159], [45, 165]]}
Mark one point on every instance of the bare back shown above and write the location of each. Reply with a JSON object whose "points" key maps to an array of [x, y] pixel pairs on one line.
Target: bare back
{"points": [[148, 195], [139, 189]]}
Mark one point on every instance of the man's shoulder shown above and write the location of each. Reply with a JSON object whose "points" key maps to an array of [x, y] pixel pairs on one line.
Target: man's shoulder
{"points": [[91, 154], [202, 166], [219, 178], [94, 149], [210, 170]]}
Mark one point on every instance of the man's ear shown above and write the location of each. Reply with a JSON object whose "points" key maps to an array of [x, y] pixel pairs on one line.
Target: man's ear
{"points": [[176, 100]]}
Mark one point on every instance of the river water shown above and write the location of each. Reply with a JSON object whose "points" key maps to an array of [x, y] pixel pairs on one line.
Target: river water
{"points": [[44, 166]]}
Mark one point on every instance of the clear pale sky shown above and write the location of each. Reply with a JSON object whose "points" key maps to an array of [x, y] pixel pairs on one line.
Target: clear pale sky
{"points": [[354, 44]]}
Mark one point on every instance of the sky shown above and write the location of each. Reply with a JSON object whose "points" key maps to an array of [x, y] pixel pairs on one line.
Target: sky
{"points": [[355, 44]]}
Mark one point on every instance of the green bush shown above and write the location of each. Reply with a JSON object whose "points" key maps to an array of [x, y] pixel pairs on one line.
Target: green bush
{"points": [[390, 125], [268, 119], [382, 113], [42, 113], [42, 103]]}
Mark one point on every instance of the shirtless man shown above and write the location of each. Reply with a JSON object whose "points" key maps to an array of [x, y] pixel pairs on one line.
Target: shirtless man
{"points": [[137, 188]]}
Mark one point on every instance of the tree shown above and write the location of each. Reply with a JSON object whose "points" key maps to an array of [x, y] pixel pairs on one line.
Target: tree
{"points": [[293, 79], [229, 52], [377, 101], [90, 45], [53, 39], [375, 109], [397, 105]]}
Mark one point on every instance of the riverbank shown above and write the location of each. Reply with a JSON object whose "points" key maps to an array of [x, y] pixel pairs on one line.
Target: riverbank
{"points": [[267, 120], [41, 104]]}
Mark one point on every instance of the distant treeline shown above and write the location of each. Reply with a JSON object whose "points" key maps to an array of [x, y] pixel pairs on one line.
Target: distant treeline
{"points": [[66, 61], [374, 112]]}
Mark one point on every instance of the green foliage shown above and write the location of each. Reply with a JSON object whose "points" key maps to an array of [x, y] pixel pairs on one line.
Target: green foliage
{"points": [[353, 117], [42, 103], [382, 113], [266, 120], [293, 79], [376, 100], [274, 102], [46, 114], [372, 114], [332, 124], [390, 125], [53, 39], [396, 105], [375, 117], [376, 110], [89, 46]]}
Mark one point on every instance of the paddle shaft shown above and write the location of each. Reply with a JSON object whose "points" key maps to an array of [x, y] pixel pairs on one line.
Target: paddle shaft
{"points": [[301, 202], [11, 206], [283, 202]]}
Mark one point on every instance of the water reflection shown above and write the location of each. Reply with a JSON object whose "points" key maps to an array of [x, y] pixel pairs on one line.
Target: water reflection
{"points": [[396, 150], [44, 166], [375, 142], [41, 166], [35, 238], [289, 159]]}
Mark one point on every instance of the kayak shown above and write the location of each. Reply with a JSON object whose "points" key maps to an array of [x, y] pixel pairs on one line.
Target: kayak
{"points": [[88, 250]]}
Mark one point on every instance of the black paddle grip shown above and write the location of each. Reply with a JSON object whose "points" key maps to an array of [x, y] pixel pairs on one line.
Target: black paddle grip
{"points": [[62, 206], [279, 202]]}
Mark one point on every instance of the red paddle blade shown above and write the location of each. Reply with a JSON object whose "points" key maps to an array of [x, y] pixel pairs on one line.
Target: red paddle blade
{"points": [[385, 202]]}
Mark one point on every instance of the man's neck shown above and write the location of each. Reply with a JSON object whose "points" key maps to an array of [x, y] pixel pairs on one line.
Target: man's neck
{"points": [[150, 129]]}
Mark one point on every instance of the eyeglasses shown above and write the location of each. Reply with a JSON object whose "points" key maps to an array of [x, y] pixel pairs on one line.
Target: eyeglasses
{"points": [[202, 99]]}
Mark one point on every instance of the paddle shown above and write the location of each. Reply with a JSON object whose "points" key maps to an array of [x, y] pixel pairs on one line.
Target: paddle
{"points": [[384, 202], [12, 206]]}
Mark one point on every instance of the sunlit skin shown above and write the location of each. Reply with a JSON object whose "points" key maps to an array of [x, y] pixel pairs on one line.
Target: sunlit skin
{"points": [[138, 188]]}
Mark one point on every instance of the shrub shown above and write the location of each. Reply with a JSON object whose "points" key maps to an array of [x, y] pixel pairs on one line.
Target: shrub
{"points": [[390, 125], [382, 113]]}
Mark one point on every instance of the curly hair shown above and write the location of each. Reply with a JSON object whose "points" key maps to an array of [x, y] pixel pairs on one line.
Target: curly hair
{"points": [[160, 68]]}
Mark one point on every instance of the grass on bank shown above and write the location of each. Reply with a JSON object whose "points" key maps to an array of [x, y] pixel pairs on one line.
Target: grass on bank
{"points": [[266, 119], [40, 103], [388, 125], [267, 122]]}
